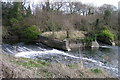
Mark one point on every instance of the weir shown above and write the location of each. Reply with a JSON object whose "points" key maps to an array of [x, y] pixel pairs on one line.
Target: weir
{"points": [[66, 44], [54, 43]]}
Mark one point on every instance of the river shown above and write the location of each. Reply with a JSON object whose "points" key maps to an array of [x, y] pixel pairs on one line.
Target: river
{"points": [[106, 57]]}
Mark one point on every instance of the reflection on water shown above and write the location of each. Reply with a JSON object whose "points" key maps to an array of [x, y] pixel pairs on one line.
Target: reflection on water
{"points": [[105, 57], [105, 49]]}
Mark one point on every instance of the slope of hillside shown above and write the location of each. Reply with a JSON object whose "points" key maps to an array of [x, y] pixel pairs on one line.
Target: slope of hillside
{"points": [[12, 67]]}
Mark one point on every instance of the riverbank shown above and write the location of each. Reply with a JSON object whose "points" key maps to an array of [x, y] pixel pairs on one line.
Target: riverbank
{"points": [[13, 67]]}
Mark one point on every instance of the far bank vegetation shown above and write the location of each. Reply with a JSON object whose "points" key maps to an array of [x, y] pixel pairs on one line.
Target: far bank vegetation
{"points": [[59, 20]]}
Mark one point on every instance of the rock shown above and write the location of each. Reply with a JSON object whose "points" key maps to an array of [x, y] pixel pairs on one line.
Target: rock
{"points": [[112, 43], [94, 44], [67, 44], [106, 41]]}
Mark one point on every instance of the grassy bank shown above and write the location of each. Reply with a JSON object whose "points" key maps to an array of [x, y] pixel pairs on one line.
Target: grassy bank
{"points": [[26, 68]]}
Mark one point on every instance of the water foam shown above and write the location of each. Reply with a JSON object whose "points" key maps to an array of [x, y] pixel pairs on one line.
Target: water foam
{"points": [[94, 61], [29, 54], [10, 51]]}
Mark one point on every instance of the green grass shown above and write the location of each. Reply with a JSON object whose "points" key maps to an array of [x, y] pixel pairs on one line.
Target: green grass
{"points": [[30, 63], [36, 61], [96, 70]]}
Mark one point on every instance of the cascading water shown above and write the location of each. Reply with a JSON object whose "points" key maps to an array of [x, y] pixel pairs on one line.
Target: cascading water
{"points": [[43, 52]]}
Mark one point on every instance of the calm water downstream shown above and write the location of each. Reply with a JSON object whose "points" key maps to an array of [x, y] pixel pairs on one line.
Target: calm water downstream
{"points": [[105, 57]]}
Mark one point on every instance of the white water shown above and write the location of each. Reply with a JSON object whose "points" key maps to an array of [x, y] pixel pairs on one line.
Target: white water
{"points": [[9, 50], [30, 54]]}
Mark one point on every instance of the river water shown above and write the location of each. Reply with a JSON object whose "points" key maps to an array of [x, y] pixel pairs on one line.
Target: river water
{"points": [[106, 57]]}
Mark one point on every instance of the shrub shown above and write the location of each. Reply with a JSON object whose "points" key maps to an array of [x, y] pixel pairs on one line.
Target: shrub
{"points": [[87, 39], [13, 20], [31, 33], [104, 27], [107, 34]]}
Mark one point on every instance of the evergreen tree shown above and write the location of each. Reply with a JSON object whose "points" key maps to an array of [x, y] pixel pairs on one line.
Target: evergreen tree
{"points": [[107, 15], [28, 11]]}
